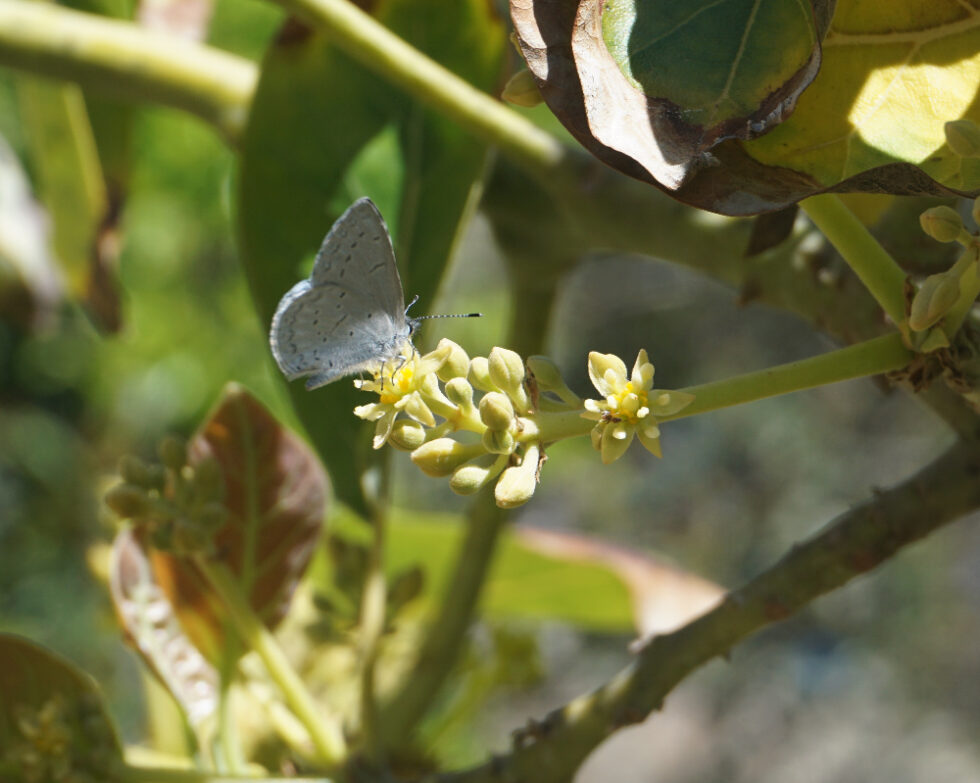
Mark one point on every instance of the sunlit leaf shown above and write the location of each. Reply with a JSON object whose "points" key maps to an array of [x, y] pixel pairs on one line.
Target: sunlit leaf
{"points": [[151, 626], [53, 722], [275, 494], [320, 134], [717, 103]]}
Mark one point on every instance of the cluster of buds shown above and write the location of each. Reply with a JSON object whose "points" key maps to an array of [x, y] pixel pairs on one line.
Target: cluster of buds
{"points": [[178, 505], [65, 739], [489, 419], [937, 308]]}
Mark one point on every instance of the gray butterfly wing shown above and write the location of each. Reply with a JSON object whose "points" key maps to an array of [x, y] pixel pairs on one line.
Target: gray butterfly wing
{"points": [[357, 254], [349, 316]]}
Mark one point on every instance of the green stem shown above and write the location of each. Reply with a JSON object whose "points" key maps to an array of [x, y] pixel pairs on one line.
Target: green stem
{"points": [[440, 648], [326, 734], [377, 48], [133, 774], [873, 357], [969, 291], [127, 60], [884, 278]]}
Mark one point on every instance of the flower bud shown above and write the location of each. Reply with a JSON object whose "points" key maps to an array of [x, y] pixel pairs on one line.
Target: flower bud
{"points": [[460, 393], [963, 138], [442, 456], [498, 441], [517, 484], [506, 369], [407, 435], [942, 223], [469, 479], [522, 90], [173, 452], [933, 300], [479, 374], [496, 411], [457, 363], [134, 471], [127, 500]]}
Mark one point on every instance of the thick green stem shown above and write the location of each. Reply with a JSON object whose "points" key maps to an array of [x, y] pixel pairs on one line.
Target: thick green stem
{"points": [[376, 47], [133, 774], [870, 261], [440, 648], [859, 540], [325, 732], [124, 59]]}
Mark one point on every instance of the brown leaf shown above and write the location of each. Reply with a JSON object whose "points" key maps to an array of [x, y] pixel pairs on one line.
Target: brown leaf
{"points": [[275, 495]]}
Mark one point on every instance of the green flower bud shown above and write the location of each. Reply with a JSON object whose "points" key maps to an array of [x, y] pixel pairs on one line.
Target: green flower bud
{"points": [[208, 479], [460, 393], [498, 441], [211, 515], [496, 411], [407, 435], [506, 369], [173, 453], [442, 456], [457, 363], [517, 484], [942, 223], [937, 294], [127, 500], [963, 138], [472, 477], [479, 374], [522, 90], [134, 471]]}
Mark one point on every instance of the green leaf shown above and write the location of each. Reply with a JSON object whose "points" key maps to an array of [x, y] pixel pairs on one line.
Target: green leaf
{"points": [[548, 575], [320, 129], [275, 495], [53, 721]]}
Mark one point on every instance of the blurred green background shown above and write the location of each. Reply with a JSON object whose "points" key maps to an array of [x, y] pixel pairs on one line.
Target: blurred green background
{"points": [[876, 682]]}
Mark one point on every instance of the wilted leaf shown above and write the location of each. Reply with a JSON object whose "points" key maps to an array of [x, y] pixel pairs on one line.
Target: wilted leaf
{"points": [[891, 76], [321, 129], [53, 721], [151, 625], [275, 494]]}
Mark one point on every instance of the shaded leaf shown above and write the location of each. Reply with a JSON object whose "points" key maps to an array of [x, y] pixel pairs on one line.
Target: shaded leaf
{"points": [[771, 229], [53, 721], [870, 120], [275, 494], [301, 167], [151, 626]]}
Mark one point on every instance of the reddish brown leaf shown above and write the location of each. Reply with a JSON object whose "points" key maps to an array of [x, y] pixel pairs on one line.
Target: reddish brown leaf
{"points": [[275, 495]]}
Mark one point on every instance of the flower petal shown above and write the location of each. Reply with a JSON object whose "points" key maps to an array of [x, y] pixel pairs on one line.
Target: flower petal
{"points": [[614, 447], [416, 408], [667, 403], [383, 429], [642, 377], [650, 438], [599, 364]]}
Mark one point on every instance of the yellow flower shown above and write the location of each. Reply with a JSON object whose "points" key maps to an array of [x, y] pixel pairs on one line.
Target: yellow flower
{"points": [[630, 405], [401, 387]]}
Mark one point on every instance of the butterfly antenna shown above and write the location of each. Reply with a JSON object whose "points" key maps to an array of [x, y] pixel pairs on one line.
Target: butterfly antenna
{"points": [[446, 315]]}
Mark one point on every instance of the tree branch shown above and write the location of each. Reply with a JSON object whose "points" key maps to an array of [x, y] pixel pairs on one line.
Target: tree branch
{"points": [[853, 544], [126, 60]]}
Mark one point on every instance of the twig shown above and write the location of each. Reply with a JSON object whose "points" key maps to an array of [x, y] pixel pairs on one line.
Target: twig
{"points": [[855, 543]]}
